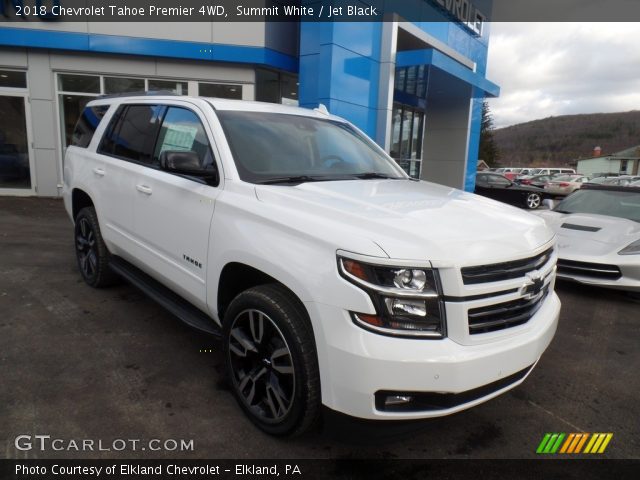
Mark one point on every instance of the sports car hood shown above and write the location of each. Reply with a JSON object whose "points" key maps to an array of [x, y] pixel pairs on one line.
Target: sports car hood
{"points": [[584, 234], [414, 220]]}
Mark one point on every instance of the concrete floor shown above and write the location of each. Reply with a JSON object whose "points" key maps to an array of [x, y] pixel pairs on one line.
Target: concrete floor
{"points": [[79, 363]]}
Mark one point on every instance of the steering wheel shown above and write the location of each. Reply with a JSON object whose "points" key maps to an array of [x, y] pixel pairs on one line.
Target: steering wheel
{"points": [[331, 161]]}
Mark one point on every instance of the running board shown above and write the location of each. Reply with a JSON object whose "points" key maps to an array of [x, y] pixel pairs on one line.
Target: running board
{"points": [[173, 302]]}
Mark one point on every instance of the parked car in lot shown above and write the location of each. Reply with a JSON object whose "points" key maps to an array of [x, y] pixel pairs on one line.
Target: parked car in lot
{"points": [[496, 186], [554, 171], [538, 181], [564, 185], [617, 180], [328, 274], [598, 230]]}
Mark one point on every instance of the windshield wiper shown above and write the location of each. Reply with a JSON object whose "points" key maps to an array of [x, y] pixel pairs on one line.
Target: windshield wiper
{"points": [[368, 175], [294, 179]]}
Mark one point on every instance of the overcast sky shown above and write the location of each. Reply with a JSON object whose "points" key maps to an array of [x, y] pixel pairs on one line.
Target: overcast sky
{"points": [[551, 69]]}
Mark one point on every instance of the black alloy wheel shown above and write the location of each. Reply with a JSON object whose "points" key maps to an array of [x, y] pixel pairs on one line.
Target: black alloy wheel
{"points": [[91, 252], [271, 360], [263, 371]]}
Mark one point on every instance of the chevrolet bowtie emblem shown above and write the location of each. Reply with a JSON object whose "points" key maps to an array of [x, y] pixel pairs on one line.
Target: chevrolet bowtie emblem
{"points": [[532, 285]]}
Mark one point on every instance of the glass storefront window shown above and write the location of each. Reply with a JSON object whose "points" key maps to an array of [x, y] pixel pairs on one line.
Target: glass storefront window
{"points": [[412, 73], [407, 119], [395, 132], [416, 136], [13, 79], [15, 170], [220, 90], [289, 89], [71, 106], [275, 87], [79, 83], [267, 86], [412, 80], [179, 88], [123, 85], [407, 125], [401, 75]]}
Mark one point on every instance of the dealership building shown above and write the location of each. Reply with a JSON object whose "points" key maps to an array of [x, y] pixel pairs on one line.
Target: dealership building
{"points": [[415, 87]]}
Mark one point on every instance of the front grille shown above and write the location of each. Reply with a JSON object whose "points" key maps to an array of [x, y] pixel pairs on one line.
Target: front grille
{"points": [[586, 269], [505, 270], [504, 315], [433, 401]]}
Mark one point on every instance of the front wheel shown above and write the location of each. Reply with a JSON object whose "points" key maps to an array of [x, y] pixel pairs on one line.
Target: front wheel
{"points": [[271, 360], [91, 252], [533, 201]]}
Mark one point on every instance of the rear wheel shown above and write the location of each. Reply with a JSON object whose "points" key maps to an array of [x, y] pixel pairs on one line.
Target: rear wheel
{"points": [[91, 252], [271, 360], [533, 200]]}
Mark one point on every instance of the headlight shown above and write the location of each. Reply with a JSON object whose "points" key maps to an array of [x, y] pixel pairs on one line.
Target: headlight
{"points": [[407, 299], [631, 249]]}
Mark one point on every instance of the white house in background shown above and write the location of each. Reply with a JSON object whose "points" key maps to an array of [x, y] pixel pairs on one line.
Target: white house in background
{"points": [[626, 162]]}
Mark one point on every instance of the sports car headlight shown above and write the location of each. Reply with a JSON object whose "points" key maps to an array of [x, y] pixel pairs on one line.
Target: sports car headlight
{"points": [[631, 249], [408, 300]]}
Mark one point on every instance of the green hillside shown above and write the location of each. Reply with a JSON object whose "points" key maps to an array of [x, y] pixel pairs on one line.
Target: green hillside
{"points": [[556, 141]]}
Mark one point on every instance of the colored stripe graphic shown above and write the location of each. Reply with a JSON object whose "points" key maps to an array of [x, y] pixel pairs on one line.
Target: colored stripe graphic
{"points": [[573, 443]]}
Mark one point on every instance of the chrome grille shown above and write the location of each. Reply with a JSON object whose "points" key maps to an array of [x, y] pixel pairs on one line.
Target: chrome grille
{"points": [[505, 270], [504, 315], [586, 269]]}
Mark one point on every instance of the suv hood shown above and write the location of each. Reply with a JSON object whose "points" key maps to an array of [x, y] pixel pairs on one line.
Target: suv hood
{"points": [[414, 220]]}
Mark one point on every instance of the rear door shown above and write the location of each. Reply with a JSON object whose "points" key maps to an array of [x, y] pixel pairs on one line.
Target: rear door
{"points": [[173, 212], [124, 150]]}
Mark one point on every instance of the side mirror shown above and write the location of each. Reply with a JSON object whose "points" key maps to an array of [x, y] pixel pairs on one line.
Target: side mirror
{"points": [[178, 161], [188, 163], [550, 204]]}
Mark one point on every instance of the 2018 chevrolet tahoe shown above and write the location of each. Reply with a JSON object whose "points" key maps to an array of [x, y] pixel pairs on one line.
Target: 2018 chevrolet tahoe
{"points": [[330, 276]]}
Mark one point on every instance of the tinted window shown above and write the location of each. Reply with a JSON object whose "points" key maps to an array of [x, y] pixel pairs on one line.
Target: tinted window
{"points": [[132, 132], [87, 124], [272, 145], [182, 131]]}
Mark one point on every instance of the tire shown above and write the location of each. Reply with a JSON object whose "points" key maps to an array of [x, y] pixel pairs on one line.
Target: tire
{"points": [[271, 360], [91, 252], [533, 200]]}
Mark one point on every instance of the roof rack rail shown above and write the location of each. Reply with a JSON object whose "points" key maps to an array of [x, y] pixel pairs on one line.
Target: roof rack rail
{"points": [[141, 93]]}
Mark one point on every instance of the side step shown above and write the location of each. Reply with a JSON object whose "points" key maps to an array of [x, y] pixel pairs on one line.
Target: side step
{"points": [[173, 302]]}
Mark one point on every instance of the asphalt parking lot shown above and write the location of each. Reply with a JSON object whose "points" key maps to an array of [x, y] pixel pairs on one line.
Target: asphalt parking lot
{"points": [[78, 363]]}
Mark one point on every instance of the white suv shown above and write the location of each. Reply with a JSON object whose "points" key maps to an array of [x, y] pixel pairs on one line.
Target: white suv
{"points": [[330, 276]]}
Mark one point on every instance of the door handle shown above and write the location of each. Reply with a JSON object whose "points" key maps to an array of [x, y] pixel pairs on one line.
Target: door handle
{"points": [[144, 189], [99, 171]]}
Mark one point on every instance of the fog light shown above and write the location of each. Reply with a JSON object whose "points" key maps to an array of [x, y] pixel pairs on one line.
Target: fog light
{"points": [[401, 306], [394, 400]]}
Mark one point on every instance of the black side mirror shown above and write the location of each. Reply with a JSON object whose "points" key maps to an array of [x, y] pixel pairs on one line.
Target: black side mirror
{"points": [[179, 161], [188, 163]]}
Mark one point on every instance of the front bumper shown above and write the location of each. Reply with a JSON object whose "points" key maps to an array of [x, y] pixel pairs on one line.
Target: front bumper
{"points": [[585, 270], [355, 364]]}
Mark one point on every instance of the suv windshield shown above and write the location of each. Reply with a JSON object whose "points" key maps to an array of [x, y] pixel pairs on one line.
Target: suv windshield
{"points": [[284, 148], [614, 203]]}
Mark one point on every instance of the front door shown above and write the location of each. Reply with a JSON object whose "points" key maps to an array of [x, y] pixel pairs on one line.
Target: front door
{"points": [[16, 158], [172, 213]]}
